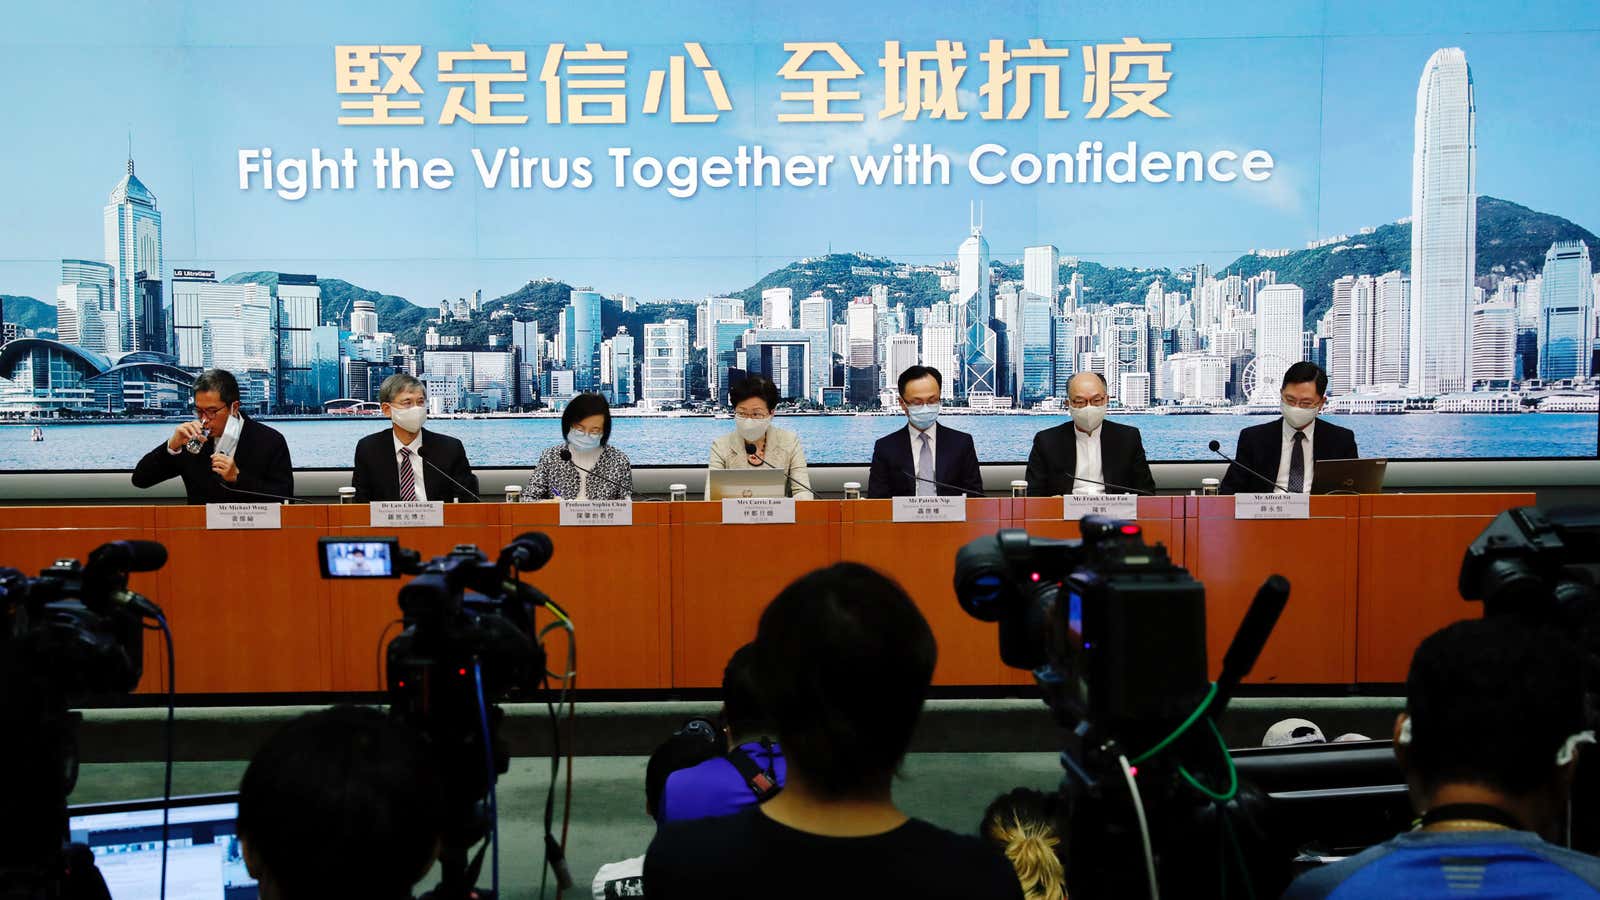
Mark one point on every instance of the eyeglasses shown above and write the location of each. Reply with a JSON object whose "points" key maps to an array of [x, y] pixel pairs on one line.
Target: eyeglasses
{"points": [[595, 432], [209, 413], [757, 416], [1080, 403], [408, 404], [920, 404], [1303, 404]]}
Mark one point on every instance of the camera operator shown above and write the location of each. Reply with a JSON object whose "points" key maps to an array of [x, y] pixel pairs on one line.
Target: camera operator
{"points": [[340, 803], [1494, 716], [752, 768], [844, 660]]}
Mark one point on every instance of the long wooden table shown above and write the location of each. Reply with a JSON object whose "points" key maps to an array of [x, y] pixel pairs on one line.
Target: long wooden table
{"points": [[663, 602]]}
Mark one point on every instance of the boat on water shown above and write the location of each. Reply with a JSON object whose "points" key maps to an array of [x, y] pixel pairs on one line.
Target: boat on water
{"points": [[37, 434]]}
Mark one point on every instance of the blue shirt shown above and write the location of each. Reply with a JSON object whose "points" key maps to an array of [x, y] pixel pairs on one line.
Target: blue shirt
{"points": [[1477, 864], [715, 787]]}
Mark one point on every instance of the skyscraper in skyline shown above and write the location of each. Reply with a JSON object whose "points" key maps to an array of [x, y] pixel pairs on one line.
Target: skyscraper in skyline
{"points": [[666, 354], [1566, 297], [979, 359], [132, 245], [580, 328], [1280, 310], [1494, 344], [777, 307], [1041, 271], [364, 317], [1444, 224]]}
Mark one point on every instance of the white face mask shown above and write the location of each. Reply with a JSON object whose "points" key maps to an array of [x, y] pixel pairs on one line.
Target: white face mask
{"points": [[409, 419], [1298, 418], [1088, 418], [229, 441], [752, 430]]}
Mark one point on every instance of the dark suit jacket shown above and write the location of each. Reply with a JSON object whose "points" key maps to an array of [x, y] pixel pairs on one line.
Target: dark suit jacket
{"points": [[955, 462], [1261, 448], [262, 457], [377, 471], [1055, 458]]}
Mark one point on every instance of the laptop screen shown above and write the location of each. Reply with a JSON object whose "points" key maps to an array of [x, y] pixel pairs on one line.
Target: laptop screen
{"points": [[203, 857]]}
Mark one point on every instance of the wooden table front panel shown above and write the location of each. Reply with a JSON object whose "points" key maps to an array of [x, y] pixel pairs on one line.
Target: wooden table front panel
{"points": [[922, 557], [1314, 642], [1411, 551]]}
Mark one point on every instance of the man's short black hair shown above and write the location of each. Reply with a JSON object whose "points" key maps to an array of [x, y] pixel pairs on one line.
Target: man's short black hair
{"points": [[697, 741], [754, 386], [915, 372], [221, 381], [341, 802], [742, 702], [845, 662], [1302, 372], [1491, 701], [582, 407]]}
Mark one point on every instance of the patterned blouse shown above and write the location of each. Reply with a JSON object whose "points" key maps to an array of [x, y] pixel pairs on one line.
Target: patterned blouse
{"points": [[556, 478]]}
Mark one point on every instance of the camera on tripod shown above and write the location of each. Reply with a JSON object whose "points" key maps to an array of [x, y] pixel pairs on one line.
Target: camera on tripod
{"points": [[1115, 634], [72, 632], [469, 640]]}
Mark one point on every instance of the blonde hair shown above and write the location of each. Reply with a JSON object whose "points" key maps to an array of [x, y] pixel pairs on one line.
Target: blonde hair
{"points": [[1031, 846]]}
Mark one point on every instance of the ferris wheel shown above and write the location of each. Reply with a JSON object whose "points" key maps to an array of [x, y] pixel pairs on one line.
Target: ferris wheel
{"points": [[1262, 375]]}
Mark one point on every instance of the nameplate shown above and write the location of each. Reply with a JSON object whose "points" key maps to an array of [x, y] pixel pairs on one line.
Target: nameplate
{"points": [[1117, 506], [930, 509], [1272, 506], [408, 514], [758, 511], [597, 512], [232, 516]]}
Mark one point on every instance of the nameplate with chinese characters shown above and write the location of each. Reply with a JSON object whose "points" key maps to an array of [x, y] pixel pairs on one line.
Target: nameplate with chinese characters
{"points": [[930, 509], [597, 512], [230, 516], [1117, 506], [758, 511], [408, 514], [1272, 506]]}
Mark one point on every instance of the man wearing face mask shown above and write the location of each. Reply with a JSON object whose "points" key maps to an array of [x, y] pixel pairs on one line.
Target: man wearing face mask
{"points": [[1088, 455], [1290, 446], [924, 458], [222, 455], [406, 461]]}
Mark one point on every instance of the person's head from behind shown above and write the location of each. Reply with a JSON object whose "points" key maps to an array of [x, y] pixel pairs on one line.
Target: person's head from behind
{"points": [[845, 662], [1027, 826], [340, 802], [216, 397], [697, 741], [586, 422], [1492, 706], [744, 712]]}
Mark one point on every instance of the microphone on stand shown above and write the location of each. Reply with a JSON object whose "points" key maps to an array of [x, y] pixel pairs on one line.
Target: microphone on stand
{"points": [[429, 463], [1271, 484], [911, 473], [1119, 487], [566, 457], [750, 450], [279, 497]]}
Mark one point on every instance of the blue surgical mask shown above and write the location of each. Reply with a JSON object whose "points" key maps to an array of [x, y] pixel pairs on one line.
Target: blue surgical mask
{"points": [[923, 417], [583, 441]]}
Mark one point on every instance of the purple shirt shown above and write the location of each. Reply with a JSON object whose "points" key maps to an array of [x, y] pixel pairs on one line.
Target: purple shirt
{"points": [[715, 787]]}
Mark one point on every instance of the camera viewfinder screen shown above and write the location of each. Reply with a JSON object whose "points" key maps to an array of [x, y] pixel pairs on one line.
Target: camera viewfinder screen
{"points": [[359, 559]]}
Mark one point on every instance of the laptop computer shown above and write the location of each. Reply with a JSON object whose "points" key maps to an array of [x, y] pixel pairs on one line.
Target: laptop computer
{"points": [[1348, 476], [725, 483], [203, 856]]}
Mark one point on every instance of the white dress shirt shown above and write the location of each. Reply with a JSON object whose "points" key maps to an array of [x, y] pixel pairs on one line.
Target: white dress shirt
{"points": [[1288, 451], [916, 449], [1089, 463], [416, 461]]}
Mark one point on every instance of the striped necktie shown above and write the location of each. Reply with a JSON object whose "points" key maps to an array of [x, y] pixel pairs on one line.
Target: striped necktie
{"points": [[408, 477]]}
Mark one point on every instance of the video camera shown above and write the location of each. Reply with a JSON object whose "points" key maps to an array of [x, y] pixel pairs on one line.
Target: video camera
{"points": [[469, 641], [1115, 635], [1543, 566], [72, 632]]}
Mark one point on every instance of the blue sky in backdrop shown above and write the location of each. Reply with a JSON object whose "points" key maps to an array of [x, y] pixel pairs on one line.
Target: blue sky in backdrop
{"points": [[1328, 88]]}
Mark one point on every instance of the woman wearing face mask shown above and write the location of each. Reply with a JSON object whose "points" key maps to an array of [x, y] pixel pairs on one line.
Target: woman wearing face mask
{"points": [[585, 466], [756, 443]]}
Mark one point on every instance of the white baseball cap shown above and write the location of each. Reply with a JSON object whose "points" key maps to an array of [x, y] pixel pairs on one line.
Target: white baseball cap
{"points": [[1293, 731]]}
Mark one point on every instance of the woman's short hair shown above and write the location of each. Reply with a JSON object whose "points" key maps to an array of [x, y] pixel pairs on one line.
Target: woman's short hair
{"points": [[1027, 826], [582, 407], [845, 660], [754, 386]]}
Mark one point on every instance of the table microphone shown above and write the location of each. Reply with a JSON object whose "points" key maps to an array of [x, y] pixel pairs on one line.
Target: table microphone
{"points": [[566, 457], [910, 473], [1120, 487], [750, 450], [1217, 449], [429, 463], [279, 497]]}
